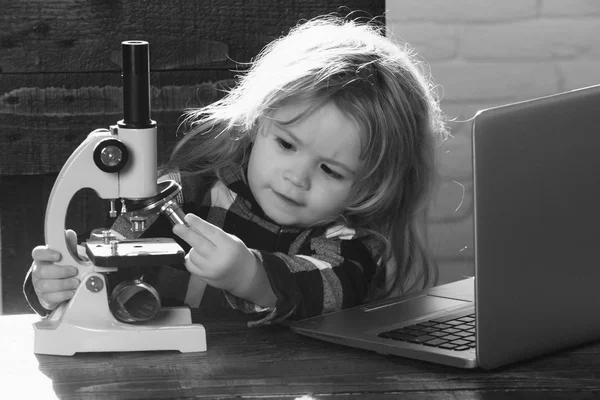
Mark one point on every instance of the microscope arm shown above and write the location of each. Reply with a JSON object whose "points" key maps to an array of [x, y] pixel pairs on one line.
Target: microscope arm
{"points": [[77, 173]]}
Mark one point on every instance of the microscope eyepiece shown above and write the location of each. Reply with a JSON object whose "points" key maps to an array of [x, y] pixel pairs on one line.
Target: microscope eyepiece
{"points": [[135, 57], [136, 85]]}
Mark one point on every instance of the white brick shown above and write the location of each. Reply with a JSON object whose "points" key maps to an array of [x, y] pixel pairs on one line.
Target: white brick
{"points": [[430, 40], [578, 74], [532, 40], [505, 82], [460, 10], [570, 7], [507, 51]]}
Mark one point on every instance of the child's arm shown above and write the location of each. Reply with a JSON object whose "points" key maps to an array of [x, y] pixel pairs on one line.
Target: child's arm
{"points": [[223, 261], [328, 273]]}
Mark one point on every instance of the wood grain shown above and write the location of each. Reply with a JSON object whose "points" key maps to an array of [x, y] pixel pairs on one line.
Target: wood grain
{"points": [[273, 362], [41, 125], [60, 63], [58, 36]]}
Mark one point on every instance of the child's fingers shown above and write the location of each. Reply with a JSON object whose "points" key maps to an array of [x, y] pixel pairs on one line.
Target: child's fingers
{"points": [[71, 238], [43, 253], [194, 263], [47, 286], [51, 300], [204, 228], [196, 240], [42, 270]]}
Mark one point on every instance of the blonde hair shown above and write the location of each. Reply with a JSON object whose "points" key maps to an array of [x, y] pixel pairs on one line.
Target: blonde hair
{"points": [[373, 79]]}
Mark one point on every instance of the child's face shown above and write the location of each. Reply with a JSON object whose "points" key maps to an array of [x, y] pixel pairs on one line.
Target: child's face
{"points": [[302, 173]]}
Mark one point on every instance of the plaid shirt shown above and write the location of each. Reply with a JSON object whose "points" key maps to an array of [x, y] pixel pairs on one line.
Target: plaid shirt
{"points": [[312, 271]]}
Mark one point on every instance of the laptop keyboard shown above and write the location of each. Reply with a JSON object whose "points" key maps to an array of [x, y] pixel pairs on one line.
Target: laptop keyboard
{"points": [[451, 332]]}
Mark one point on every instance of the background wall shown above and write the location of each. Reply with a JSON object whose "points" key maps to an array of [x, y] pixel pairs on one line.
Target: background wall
{"points": [[60, 78], [485, 53]]}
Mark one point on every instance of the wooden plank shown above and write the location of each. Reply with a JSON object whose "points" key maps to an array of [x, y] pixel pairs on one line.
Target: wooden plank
{"points": [[190, 60], [61, 109], [44, 144], [273, 362], [1, 264], [74, 80], [52, 101], [42, 36]]}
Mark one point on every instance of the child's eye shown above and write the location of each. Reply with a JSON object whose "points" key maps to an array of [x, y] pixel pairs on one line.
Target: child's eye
{"points": [[331, 172], [285, 144]]}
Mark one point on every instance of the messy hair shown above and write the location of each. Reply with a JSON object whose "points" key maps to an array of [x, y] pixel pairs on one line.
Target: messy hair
{"points": [[378, 82]]}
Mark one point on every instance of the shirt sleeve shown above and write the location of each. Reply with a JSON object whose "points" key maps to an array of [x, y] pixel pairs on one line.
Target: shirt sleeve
{"points": [[328, 273]]}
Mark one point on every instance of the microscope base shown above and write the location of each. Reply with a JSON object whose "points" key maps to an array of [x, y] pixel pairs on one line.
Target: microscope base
{"points": [[171, 329]]}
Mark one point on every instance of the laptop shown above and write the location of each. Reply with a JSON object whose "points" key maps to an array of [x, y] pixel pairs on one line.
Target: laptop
{"points": [[536, 289]]}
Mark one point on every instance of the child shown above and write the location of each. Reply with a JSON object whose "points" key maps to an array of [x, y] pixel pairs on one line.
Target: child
{"points": [[303, 186]]}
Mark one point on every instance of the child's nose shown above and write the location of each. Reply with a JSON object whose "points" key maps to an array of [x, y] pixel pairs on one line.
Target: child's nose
{"points": [[298, 175]]}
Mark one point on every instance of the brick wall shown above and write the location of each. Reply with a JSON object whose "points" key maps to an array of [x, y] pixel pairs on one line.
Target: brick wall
{"points": [[485, 53]]}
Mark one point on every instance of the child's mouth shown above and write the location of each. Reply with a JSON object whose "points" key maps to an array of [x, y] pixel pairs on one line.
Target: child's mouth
{"points": [[288, 200]]}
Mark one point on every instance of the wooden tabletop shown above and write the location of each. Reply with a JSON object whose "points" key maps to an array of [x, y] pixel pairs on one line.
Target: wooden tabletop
{"points": [[273, 362]]}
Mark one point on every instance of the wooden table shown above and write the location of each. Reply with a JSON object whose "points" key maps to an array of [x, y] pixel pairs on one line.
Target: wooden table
{"points": [[273, 362]]}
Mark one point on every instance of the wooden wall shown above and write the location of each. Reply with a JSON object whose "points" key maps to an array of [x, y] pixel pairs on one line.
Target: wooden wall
{"points": [[60, 79]]}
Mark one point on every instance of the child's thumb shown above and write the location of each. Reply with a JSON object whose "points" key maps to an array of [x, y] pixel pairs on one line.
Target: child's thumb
{"points": [[71, 237]]}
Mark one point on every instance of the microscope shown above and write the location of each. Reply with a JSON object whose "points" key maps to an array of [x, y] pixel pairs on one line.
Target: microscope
{"points": [[119, 163]]}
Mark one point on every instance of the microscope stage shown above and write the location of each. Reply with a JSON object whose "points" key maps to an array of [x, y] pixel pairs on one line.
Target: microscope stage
{"points": [[135, 252]]}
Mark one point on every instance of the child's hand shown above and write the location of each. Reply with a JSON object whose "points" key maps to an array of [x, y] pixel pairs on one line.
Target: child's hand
{"points": [[220, 259], [54, 284]]}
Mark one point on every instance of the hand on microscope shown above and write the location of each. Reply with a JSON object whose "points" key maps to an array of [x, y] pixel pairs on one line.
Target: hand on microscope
{"points": [[223, 261], [53, 283]]}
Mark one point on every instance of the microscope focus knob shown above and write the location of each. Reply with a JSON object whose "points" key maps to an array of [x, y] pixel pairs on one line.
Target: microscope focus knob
{"points": [[111, 155]]}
